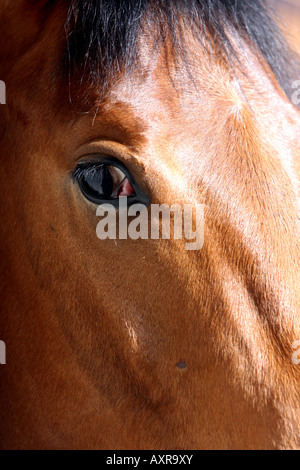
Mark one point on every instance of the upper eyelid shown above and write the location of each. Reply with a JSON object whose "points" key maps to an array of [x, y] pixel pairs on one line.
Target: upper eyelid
{"points": [[97, 150]]}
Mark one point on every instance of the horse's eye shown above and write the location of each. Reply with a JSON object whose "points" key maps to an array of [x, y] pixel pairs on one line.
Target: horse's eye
{"points": [[106, 181], [102, 182]]}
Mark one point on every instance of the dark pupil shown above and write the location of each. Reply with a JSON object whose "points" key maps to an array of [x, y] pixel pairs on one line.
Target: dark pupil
{"points": [[98, 182]]}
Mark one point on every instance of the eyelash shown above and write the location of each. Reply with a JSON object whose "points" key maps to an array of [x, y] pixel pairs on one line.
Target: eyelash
{"points": [[88, 167]]}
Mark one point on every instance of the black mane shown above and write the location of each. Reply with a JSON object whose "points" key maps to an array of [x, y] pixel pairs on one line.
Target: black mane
{"points": [[103, 34]]}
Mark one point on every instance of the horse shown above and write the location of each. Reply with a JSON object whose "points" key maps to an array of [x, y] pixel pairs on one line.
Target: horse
{"points": [[142, 344]]}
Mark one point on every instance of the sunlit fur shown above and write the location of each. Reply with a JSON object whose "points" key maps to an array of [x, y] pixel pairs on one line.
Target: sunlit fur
{"points": [[98, 332]]}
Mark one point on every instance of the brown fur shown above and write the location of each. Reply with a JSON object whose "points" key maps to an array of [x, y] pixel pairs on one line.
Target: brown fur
{"points": [[95, 330]]}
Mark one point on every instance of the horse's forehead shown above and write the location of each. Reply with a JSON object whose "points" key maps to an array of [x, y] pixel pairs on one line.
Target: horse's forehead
{"points": [[160, 98], [157, 90], [164, 87], [184, 98], [162, 91]]}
